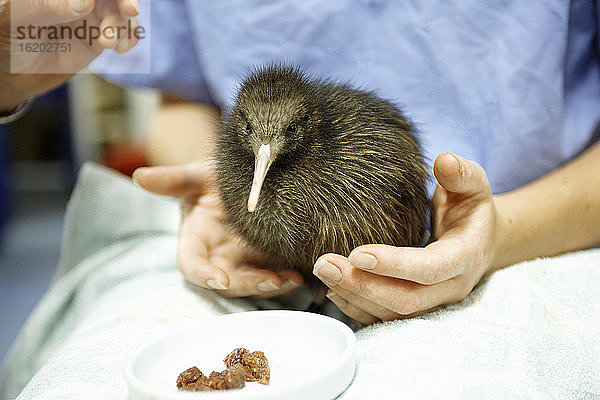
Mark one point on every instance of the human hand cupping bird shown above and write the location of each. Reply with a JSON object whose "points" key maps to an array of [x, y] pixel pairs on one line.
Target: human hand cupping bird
{"points": [[405, 281], [379, 282], [208, 254], [25, 74]]}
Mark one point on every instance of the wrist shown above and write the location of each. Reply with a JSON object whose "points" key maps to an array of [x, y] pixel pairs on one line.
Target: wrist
{"points": [[14, 113], [11, 95], [500, 245]]}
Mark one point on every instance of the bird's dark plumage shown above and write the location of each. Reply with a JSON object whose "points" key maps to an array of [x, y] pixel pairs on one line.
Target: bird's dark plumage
{"points": [[343, 168]]}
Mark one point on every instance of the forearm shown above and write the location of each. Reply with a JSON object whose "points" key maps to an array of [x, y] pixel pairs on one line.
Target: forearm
{"points": [[11, 94], [556, 213], [18, 88], [182, 132]]}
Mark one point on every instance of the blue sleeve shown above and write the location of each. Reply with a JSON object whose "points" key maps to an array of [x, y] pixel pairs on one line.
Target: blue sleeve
{"points": [[166, 54]]}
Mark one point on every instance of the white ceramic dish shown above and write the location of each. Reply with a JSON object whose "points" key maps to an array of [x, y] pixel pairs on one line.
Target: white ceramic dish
{"points": [[310, 356]]}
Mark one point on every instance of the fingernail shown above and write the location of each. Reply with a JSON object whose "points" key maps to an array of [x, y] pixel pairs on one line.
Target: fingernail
{"points": [[136, 5], [328, 271], [337, 299], [214, 284], [289, 284], [267, 286], [78, 5], [460, 169], [363, 260], [136, 174]]}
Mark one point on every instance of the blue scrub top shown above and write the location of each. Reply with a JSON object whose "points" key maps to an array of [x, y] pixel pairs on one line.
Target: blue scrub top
{"points": [[511, 84]]}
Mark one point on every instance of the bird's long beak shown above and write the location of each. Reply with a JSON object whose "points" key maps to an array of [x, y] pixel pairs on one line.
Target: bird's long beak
{"points": [[261, 166]]}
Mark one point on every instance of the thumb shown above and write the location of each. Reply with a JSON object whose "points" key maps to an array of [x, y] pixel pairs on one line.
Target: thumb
{"points": [[177, 180], [459, 175], [48, 12]]}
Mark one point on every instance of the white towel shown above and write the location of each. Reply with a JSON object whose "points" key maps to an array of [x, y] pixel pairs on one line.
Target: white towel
{"points": [[529, 331]]}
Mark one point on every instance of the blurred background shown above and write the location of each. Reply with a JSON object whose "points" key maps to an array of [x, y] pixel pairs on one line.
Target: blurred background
{"points": [[87, 119]]}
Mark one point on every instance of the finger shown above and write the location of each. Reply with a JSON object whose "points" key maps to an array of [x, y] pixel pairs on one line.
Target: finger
{"points": [[355, 312], [193, 250], [249, 281], [360, 303], [397, 295], [49, 12], [220, 273], [437, 262], [459, 175], [291, 282], [176, 180], [118, 28], [192, 261], [351, 310], [246, 279], [111, 25], [129, 8], [233, 254], [128, 41], [104, 8], [197, 270], [374, 309]]}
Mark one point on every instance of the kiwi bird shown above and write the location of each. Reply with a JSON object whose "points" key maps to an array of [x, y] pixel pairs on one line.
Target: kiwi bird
{"points": [[309, 166]]}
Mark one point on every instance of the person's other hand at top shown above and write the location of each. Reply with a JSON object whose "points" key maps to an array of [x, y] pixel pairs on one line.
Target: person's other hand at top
{"points": [[29, 76]]}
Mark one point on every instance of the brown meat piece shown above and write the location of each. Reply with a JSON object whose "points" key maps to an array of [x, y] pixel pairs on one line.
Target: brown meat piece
{"points": [[235, 357], [192, 379], [255, 364], [242, 366], [231, 378]]}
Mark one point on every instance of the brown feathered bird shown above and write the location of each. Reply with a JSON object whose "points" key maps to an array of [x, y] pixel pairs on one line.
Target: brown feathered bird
{"points": [[308, 166]]}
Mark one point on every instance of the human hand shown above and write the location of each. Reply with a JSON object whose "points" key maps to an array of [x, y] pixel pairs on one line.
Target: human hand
{"points": [[208, 254], [29, 76], [380, 282]]}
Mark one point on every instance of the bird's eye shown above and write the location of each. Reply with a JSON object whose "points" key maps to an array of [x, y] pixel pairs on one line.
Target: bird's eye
{"points": [[248, 127], [292, 128]]}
